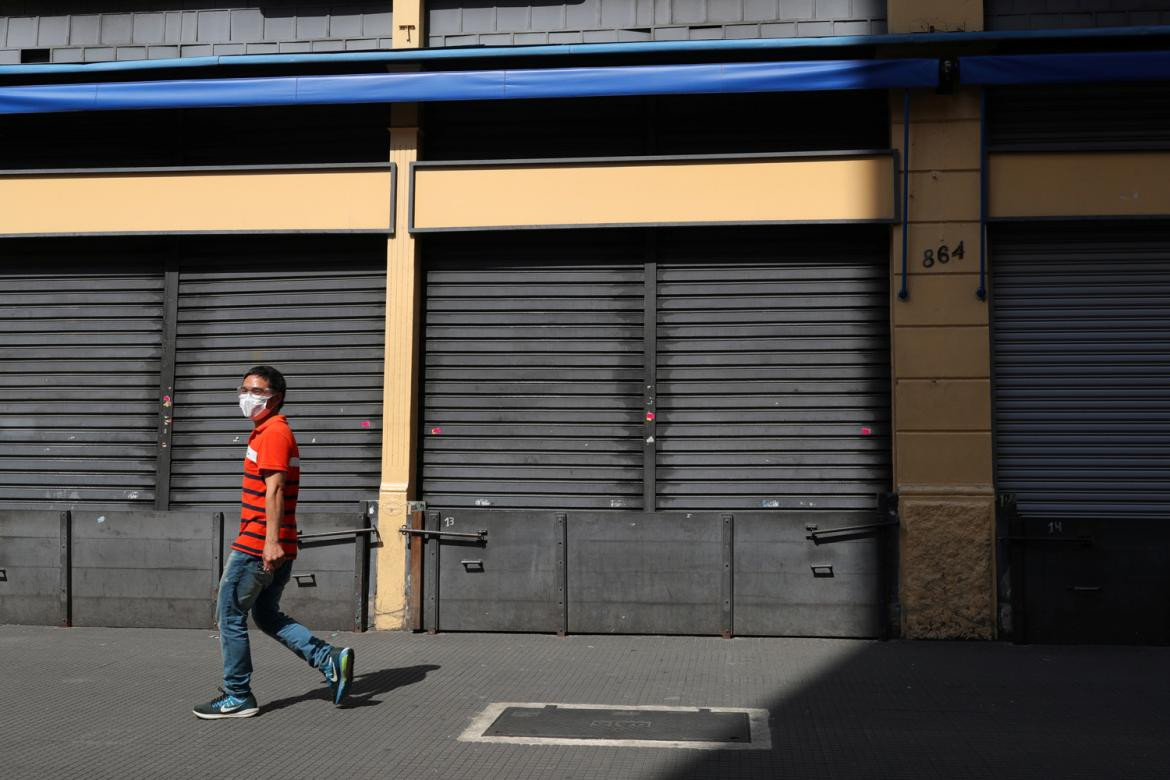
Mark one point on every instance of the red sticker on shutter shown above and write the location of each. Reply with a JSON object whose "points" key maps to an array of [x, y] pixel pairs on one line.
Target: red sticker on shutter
{"points": [[866, 431]]}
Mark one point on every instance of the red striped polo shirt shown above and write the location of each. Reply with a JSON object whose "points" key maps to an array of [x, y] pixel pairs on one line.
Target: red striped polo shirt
{"points": [[271, 447]]}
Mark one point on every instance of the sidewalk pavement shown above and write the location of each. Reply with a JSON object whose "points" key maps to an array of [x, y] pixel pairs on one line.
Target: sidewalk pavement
{"points": [[100, 702]]}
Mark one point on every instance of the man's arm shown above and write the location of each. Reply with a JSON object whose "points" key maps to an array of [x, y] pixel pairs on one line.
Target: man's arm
{"points": [[274, 514]]}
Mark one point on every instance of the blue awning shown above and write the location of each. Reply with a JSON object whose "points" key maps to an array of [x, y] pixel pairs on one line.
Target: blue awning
{"points": [[473, 85], [1094, 67]]}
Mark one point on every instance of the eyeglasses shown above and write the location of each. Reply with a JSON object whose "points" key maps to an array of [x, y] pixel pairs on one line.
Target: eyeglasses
{"points": [[255, 392]]}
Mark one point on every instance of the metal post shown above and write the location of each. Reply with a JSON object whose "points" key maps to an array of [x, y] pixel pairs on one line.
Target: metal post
{"points": [[361, 568], [650, 373], [414, 552], [65, 594], [166, 394], [217, 539], [904, 293], [887, 550], [562, 574], [727, 523], [431, 589], [1018, 557], [981, 292]]}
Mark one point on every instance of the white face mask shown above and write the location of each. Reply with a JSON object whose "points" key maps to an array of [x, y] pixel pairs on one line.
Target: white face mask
{"points": [[252, 406]]}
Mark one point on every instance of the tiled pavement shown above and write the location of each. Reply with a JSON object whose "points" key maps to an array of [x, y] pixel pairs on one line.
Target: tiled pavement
{"points": [[95, 703]]}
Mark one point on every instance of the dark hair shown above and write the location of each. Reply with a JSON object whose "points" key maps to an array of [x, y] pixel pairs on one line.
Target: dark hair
{"points": [[274, 378]]}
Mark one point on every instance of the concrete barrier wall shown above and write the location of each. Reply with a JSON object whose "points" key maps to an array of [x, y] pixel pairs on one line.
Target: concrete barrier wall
{"points": [[30, 561], [143, 569], [161, 569]]}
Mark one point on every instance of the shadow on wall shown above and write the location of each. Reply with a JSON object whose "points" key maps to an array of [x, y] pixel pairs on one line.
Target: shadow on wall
{"points": [[952, 710]]}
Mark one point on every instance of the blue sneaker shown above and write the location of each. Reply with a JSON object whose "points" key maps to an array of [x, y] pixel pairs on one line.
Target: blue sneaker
{"points": [[339, 672], [228, 706]]}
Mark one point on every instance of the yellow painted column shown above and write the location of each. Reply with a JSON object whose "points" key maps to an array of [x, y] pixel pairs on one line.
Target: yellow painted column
{"points": [[409, 24], [400, 401], [915, 16], [941, 359], [399, 410]]}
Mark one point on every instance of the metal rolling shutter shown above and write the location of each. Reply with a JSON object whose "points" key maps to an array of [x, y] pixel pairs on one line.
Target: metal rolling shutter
{"points": [[1082, 367], [1080, 117], [773, 370], [80, 348], [533, 372], [503, 129], [315, 309], [663, 124], [271, 135]]}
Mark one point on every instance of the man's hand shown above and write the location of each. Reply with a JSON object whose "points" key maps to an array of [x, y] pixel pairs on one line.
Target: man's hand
{"points": [[273, 556]]}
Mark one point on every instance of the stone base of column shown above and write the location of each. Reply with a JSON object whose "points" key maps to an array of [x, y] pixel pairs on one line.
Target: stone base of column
{"points": [[948, 563], [390, 607]]}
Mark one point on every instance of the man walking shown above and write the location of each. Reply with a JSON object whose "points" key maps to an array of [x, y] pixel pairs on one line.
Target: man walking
{"points": [[260, 563]]}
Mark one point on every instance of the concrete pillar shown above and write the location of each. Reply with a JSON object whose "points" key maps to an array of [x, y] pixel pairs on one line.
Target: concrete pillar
{"points": [[400, 404], [942, 367], [942, 363], [942, 379]]}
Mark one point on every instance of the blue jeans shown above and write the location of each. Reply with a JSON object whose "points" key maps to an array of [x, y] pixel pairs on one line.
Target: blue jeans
{"points": [[246, 586]]}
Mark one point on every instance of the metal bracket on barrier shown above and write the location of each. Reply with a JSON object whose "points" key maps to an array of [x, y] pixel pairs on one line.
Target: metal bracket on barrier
{"points": [[3, 575], [480, 536], [354, 532], [814, 534]]}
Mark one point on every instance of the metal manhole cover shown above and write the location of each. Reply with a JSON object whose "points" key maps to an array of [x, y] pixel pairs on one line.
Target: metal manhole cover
{"points": [[649, 726]]}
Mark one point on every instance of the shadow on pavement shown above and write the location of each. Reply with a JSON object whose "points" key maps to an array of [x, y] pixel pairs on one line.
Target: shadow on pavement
{"points": [[954, 710], [366, 687]]}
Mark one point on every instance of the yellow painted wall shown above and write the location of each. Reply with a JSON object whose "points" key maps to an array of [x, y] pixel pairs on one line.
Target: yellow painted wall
{"points": [[942, 386], [195, 202], [939, 352], [913, 16], [757, 190], [1053, 184], [937, 404]]}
